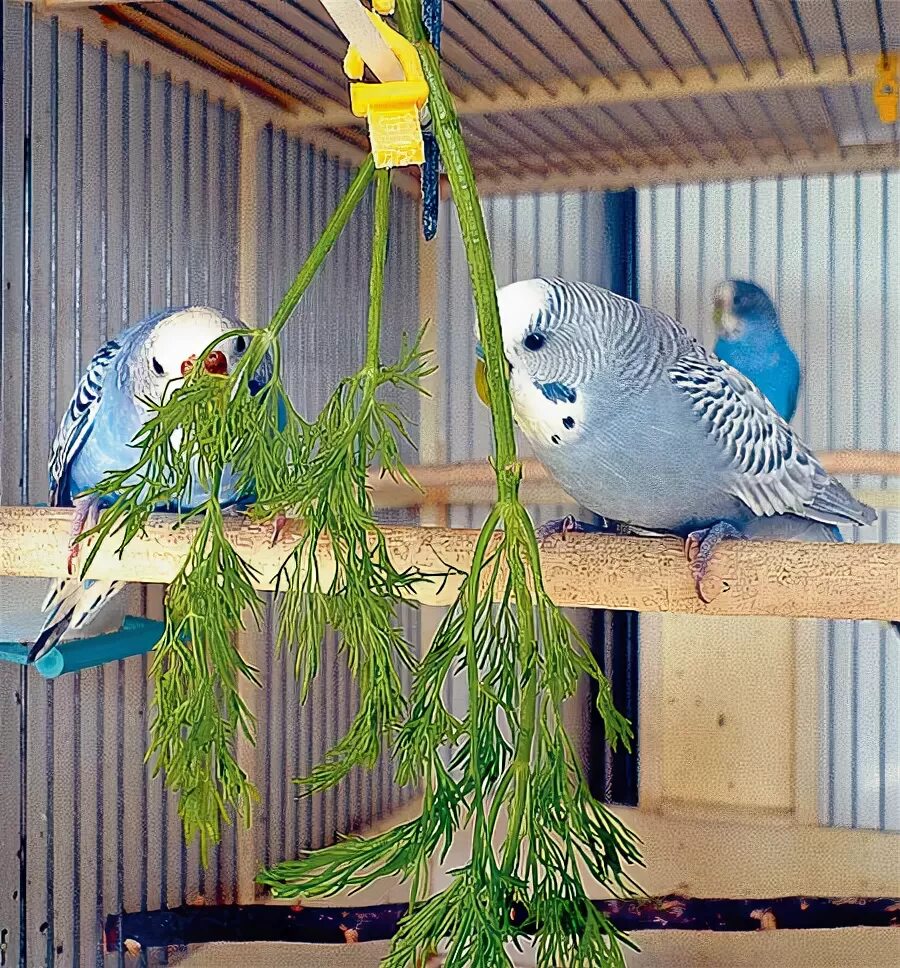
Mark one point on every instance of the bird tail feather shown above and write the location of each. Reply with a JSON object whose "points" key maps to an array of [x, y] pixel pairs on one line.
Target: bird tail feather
{"points": [[834, 504], [71, 604]]}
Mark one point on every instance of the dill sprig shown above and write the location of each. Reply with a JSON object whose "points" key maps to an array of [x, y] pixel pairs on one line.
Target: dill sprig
{"points": [[355, 430], [513, 762], [208, 427], [514, 778], [187, 446]]}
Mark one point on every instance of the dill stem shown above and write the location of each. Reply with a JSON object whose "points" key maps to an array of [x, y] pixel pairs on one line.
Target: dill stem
{"points": [[376, 276], [521, 764], [472, 675], [478, 250], [484, 288], [336, 224]]}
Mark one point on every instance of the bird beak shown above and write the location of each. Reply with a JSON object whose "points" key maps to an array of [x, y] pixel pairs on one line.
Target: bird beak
{"points": [[215, 363], [718, 312], [481, 383]]}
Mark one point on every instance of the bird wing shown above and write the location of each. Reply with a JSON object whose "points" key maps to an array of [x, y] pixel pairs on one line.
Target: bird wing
{"points": [[771, 470], [77, 422]]}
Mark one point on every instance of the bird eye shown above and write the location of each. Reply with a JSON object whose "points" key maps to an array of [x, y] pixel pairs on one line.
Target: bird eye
{"points": [[534, 341], [157, 367], [240, 344]]}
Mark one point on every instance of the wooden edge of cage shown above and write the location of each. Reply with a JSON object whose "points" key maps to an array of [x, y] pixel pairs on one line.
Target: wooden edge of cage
{"points": [[803, 580], [472, 483]]}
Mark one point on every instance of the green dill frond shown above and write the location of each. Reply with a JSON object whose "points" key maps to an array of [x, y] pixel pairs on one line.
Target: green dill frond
{"points": [[359, 599], [197, 672]]}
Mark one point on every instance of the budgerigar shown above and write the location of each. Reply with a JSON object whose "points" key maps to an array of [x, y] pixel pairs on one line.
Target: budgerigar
{"points": [[95, 435], [751, 340], [642, 425]]}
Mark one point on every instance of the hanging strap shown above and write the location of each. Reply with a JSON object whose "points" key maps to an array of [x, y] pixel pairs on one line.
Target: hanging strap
{"points": [[353, 22]]}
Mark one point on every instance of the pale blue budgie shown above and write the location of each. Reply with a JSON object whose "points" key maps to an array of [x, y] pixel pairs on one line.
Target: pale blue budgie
{"points": [[146, 362], [642, 425], [751, 340]]}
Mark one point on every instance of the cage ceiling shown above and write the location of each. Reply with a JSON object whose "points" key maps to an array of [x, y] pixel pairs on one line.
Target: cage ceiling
{"points": [[558, 94]]}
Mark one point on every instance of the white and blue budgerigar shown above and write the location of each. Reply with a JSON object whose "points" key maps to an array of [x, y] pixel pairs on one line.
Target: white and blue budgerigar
{"points": [[145, 363], [750, 339], [642, 425]]}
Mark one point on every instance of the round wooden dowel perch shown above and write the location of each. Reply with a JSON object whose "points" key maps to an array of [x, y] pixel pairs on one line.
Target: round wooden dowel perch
{"points": [[200, 924], [790, 578]]}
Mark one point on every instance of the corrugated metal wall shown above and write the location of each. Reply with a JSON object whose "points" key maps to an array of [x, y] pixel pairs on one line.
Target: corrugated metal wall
{"points": [[828, 251], [577, 235], [119, 195], [299, 187]]}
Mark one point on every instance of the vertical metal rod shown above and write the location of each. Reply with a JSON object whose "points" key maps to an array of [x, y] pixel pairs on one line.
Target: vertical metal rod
{"points": [[701, 252], [104, 193], [727, 232], [146, 93], [224, 202], [186, 255], [829, 369], [752, 228], [146, 134], [23, 816], [883, 535], [27, 242], [53, 312], [678, 249], [125, 189], [168, 268], [269, 169], [285, 262], [804, 297], [77, 317], [205, 210], [857, 434]]}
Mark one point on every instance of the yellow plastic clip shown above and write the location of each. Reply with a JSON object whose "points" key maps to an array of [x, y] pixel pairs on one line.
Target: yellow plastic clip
{"points": [[886, 91], [391, 108], [384, 7]]}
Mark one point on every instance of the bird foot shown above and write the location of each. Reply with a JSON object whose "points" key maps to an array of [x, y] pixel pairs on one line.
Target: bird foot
{"points": [[571, 525], [277, 528], [87, 512], [699, 547], [71, 558]]}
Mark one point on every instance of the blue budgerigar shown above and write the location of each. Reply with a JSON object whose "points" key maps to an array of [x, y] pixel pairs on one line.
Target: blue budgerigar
{"points": [[751, 340], [642, 425], [144, 363]]}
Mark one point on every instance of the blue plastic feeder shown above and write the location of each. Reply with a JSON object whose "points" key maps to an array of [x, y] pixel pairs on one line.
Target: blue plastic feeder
{"points": [[117, 637]]}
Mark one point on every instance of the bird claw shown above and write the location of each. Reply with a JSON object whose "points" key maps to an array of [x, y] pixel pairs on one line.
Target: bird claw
{"points": [[571, 525], [699, 547], [72, 557], [558, 526], [277, 528]]}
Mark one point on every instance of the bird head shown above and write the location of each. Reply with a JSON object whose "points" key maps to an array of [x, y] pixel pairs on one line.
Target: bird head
{"points": [[543, 339], [171, 350], [739, 306]]}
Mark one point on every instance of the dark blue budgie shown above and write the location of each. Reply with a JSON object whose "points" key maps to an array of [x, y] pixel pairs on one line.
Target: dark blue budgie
{"points": [[108, 408], [751, 340], [642, 425]]}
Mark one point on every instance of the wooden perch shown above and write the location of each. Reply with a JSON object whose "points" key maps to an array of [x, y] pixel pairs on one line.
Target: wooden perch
{"points": [[200, 924], [472, 482], [858, 581]]}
